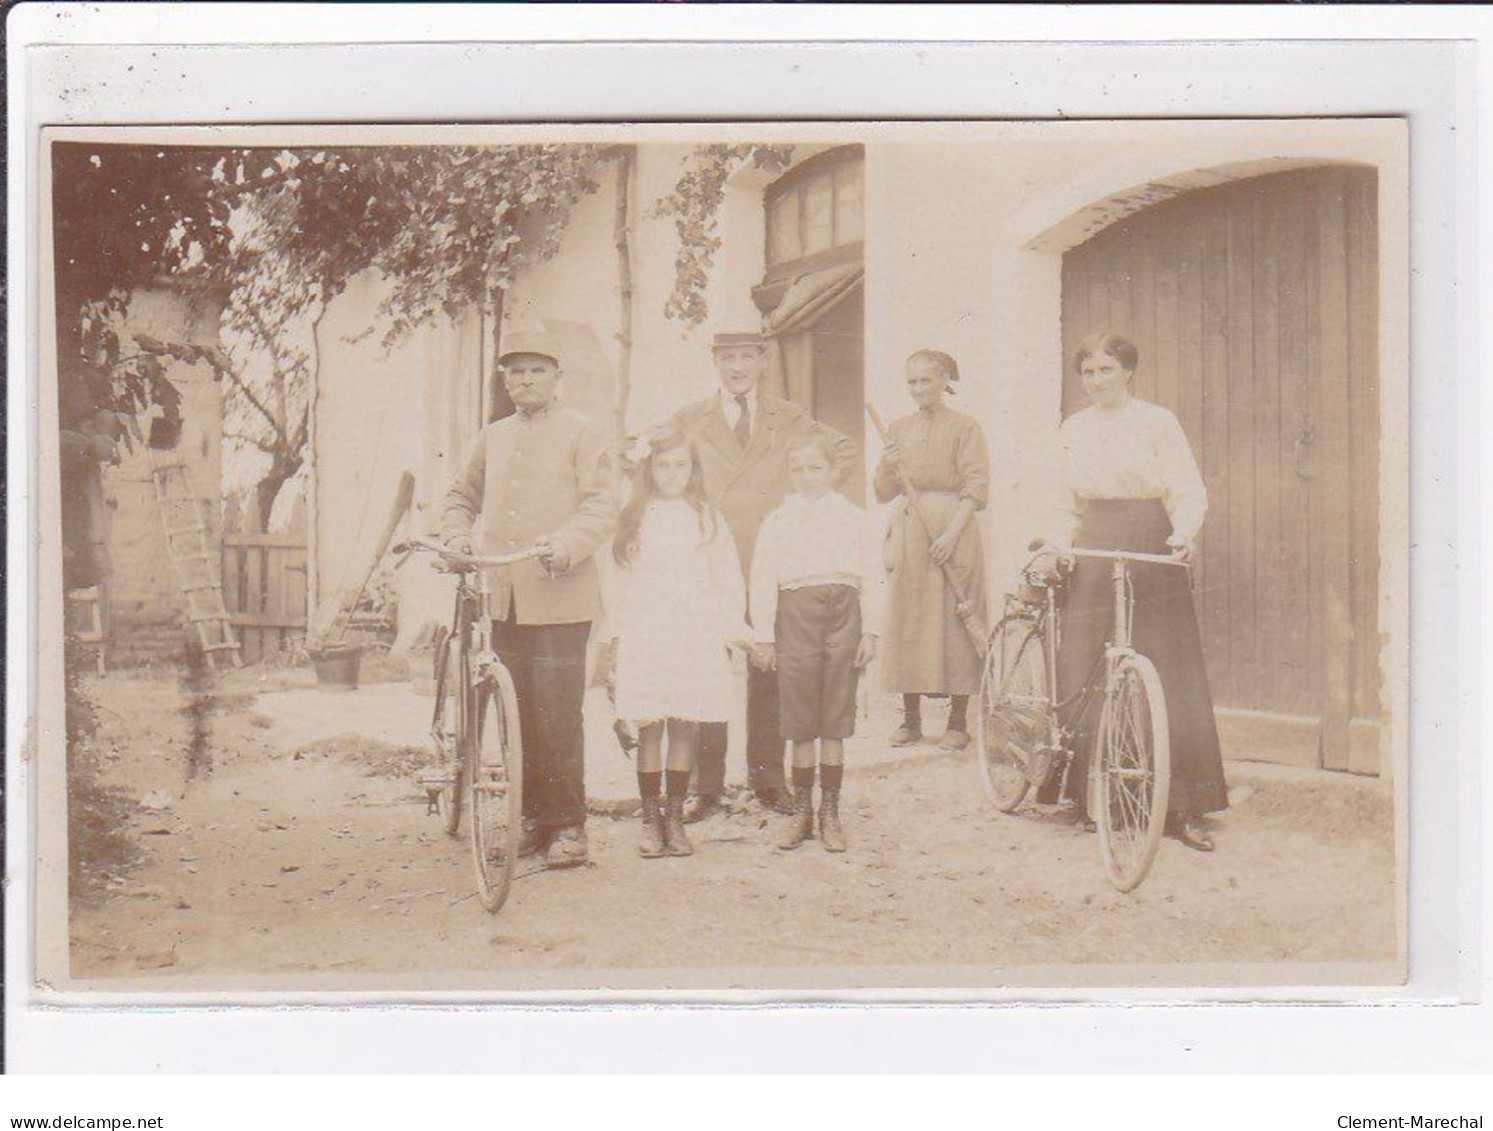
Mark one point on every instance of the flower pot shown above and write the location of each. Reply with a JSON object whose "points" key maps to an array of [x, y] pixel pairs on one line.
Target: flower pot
{"points": [[337, 666]]}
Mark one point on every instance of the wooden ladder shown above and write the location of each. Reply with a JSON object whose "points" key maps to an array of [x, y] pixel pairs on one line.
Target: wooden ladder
{"points": [[194, 560]]}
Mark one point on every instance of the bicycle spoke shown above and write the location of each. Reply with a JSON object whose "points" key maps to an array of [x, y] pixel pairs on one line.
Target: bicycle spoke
{"points": [[1128, 775], [1133, 770], [1014, 711], [1126, 805]]}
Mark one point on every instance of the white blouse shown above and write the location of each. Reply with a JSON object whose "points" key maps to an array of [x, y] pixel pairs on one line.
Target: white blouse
{"points": [[1135, 452], [828, 540]]}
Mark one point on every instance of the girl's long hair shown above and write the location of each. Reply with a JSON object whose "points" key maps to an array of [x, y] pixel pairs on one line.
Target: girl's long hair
{"points": [[629, 528]]}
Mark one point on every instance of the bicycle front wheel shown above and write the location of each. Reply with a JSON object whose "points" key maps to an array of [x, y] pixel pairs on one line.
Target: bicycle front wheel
{"points": [[1133, 750], [448, 735], [1012, 726], [496, 789]]}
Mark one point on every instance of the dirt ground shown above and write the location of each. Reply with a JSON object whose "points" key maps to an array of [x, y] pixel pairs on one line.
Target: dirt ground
{"points": [[321, 861]]}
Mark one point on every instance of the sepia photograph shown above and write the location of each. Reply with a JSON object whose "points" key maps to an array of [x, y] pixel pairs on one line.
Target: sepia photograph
{"points": [[800, 558]]}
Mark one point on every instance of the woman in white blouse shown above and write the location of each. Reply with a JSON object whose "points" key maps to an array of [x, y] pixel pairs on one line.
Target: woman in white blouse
{"points": [[1131, 483]]}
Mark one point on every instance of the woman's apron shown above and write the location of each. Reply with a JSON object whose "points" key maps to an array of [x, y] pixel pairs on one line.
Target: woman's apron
{"points": [[927, 648], [1164, 629]]}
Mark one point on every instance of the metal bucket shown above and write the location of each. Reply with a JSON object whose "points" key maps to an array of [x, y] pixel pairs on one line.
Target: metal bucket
{"points": [[337, 666]]}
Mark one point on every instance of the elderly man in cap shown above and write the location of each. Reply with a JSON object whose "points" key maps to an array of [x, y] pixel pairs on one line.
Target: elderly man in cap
{"points": [[743, 434], [542, 477]]}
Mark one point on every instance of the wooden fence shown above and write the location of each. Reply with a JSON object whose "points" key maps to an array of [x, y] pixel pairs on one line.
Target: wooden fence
{"points": [[264, 587]]}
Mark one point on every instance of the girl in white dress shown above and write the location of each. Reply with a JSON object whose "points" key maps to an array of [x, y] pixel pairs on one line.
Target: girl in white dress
{"points": [[678, 610]]}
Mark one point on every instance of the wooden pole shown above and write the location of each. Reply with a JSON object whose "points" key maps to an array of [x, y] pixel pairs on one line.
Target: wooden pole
{"points": [[621, 237], [313, 476]]}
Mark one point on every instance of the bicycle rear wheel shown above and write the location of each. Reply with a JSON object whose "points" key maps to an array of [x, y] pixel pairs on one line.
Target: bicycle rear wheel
{"points": [[1133, 749], [496, 788], [1012, 726]]}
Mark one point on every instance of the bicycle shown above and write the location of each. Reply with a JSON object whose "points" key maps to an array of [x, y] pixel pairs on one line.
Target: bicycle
{"points": [[1021, 739], [479, 759]]}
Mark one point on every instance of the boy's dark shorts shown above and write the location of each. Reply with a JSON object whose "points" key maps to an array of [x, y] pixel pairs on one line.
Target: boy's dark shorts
{"points": [[817, 633]]}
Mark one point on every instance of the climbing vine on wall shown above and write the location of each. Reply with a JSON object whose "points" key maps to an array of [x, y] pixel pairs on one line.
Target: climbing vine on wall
{"points": [[695, 207]]}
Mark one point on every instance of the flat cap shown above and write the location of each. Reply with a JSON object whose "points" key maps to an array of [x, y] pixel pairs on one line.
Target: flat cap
{"points": [[537, 342]]}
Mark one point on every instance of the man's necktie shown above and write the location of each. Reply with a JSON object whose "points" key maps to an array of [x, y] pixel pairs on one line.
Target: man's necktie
{"points": [[743, 421]]}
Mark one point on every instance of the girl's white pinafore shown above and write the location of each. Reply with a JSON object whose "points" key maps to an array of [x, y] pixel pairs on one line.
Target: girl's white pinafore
{"points": [[680, 601]]}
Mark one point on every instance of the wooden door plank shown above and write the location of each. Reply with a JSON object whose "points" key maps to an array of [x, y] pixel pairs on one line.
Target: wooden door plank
{"points": [[274, 583], [1242, 409], [1271, 567], [1099, 312], [1316, 607], [1120, 270], [1213, 458], [1167, 347], [253, 601], [1296, 458], [295, 587], [1141, 255], [1231, 306], [1335, 496], [1363, 345], [1190, 360]]}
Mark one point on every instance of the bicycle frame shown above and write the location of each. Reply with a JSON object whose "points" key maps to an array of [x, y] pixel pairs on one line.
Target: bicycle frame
{"points": [[489, 789], [1118, 647], [472, 628], [1032, 737]]}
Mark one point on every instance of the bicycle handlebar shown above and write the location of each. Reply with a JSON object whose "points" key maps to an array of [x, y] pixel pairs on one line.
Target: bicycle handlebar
{"points": [[456, 560], [1108, 555]]}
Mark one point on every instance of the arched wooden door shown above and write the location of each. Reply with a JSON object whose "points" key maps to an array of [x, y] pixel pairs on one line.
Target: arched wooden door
{"points": [[1255, 308]]}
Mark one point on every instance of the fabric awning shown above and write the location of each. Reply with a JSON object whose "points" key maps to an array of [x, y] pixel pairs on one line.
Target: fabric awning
{"points": [[807, 298], [812, 295]]}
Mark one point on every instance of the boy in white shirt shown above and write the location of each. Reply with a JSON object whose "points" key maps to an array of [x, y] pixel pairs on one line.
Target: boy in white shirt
{"points": [[817, 593]]}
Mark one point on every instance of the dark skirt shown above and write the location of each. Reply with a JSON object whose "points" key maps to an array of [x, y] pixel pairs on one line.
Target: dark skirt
{"points": [[1164, 628]]}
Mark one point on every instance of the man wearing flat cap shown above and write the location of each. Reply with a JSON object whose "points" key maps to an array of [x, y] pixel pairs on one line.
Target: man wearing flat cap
{"points": [[542, 477], [743, 434]]}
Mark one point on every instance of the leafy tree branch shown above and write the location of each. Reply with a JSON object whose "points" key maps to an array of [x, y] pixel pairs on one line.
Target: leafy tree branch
{"points": [[695, 205]]}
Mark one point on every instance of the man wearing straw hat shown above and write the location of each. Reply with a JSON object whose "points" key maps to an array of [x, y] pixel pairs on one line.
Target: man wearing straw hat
{"points": [[542, 477], [742, 434]]}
